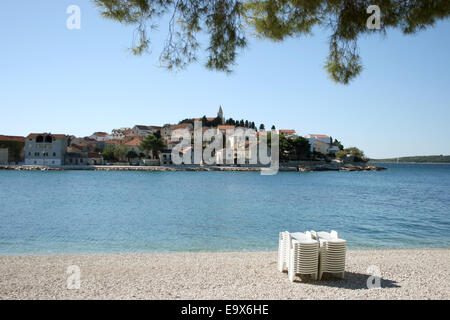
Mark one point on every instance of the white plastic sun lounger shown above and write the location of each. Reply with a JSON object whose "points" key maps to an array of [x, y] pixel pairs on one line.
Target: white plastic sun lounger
{"points": [[332, 253], [303, 255]]}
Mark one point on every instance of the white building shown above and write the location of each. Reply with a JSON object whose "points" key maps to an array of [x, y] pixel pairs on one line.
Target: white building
{"points": [[100, 136], [144, 130], [318, 137]]}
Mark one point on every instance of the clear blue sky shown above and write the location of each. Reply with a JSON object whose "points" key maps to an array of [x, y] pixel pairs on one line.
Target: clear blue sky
{"points": [[80, 81]]}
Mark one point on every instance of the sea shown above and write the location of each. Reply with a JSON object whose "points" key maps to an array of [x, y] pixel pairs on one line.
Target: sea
{"points": [[73, 212]]}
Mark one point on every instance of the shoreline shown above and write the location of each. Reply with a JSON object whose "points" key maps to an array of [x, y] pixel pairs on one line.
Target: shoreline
{"points": [[394, 162], [24, 255], [405, 273], [306, 166]]}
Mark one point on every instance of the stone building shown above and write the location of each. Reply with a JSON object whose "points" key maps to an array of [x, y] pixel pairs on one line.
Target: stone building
{"points": [[45, 149]]}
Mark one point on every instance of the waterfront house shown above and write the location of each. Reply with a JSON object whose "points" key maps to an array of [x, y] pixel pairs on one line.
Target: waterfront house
{"points": [[45, 149], [165, 157], [75, 158], [14, 146], [321, 146], [312, 138], [95, 158]]}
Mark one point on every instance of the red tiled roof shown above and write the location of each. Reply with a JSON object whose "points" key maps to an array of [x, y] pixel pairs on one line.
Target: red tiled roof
{"points": [[12, 138], [225, 127], [287, 131], [133, 143], [57, 136], [180, 126], [114, 141], [100, 134], [209, 119], [134, 136]]}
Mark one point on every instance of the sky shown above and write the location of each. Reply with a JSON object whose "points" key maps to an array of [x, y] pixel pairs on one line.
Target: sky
{"points": [[80, 81]]}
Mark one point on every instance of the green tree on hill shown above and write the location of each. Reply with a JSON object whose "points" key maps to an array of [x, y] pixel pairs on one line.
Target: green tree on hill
{"points": [[338, 144], [108, 152], [357, 154], [120, 152]]}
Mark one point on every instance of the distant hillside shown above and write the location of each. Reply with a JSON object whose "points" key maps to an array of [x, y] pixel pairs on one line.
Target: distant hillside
{"points": [[418, 159]]}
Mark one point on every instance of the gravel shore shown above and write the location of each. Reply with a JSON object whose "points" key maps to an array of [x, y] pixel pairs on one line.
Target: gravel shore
{"points": [[406, 274]]}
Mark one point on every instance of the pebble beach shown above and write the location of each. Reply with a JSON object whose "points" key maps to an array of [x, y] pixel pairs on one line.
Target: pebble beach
{"points": [[405, 274]]}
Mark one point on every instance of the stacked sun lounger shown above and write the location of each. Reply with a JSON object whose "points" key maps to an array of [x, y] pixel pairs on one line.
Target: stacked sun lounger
{"points": [[303, 255], [332, 253], [299, 253], [311, 253]]}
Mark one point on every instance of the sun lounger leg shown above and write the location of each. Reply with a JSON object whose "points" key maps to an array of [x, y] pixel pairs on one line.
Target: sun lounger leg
{"points": [[291, 274], [280, 265], [291, 271]]}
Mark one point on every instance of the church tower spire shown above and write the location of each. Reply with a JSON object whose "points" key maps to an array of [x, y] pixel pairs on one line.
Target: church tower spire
{"points": [[220, 114]]}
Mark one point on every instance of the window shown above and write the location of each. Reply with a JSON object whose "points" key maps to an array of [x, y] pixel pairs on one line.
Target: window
{"points": [[29, 153], [39, 139], [48, 139], [54, 154]]}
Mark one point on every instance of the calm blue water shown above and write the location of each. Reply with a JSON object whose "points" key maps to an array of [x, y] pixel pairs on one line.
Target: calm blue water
{"points": [[407, 206]]}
